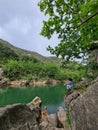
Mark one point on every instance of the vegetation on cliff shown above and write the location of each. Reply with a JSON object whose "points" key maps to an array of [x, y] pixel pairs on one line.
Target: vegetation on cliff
{"points": [[21, 64]]}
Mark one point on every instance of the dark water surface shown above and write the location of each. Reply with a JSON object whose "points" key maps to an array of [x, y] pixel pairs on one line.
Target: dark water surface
{"points": [[51, 96]]}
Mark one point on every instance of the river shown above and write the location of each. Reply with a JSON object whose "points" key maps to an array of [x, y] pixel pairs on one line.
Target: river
{"points": [[51, 96]]}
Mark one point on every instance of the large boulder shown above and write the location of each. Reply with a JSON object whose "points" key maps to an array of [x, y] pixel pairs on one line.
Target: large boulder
{"points": [[83, 109], [30, 117], [20, 117]]}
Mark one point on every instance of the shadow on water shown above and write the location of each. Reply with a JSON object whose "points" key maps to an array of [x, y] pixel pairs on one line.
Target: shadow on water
{"points": [[51, 96]]}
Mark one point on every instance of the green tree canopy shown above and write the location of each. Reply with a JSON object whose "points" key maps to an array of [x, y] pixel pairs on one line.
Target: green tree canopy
{"points": [[76, 24]]}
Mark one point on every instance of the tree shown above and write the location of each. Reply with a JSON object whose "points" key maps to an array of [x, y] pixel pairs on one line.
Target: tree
{"points": [[76, 24]]}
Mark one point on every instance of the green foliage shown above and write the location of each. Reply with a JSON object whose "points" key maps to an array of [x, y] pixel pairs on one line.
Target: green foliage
{"points": [[68, 119], [6, 53], [50, 70], [92, 70], [22, 64], [61, 74], [74, 22], [14, 69], [19, 69], [75, 70]]}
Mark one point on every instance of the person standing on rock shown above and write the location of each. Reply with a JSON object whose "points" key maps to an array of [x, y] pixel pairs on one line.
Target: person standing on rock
{"points": [[69, 84]]}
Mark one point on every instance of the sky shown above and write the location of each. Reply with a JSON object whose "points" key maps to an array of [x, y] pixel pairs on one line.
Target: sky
{"points": [[21, 23]]}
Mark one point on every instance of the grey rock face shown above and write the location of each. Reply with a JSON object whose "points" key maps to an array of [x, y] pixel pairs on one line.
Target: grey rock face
{"points": [[28, 117], [84, 110], [19, 117]]}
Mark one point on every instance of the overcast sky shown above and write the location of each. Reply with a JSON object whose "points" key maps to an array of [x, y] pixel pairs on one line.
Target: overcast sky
{"points": [[21, 23]]}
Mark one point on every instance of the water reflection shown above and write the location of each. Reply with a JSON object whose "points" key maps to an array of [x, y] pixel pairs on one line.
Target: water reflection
{"points": [[53, 108]]}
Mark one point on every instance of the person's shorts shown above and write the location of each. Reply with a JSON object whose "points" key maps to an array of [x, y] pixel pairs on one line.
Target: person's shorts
{"points": [[69, 87]]}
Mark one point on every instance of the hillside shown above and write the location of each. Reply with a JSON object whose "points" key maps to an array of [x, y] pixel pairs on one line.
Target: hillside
{"points": [[22, 64], [9, 51]]}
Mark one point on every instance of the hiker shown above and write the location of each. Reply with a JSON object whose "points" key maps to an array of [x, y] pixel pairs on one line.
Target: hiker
{"points": [[69, 85]]}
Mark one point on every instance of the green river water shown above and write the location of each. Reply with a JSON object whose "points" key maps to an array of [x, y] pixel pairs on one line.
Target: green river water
{"points": [[51, 96]]}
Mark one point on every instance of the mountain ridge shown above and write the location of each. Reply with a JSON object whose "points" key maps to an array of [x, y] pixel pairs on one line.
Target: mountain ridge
{"points": [[18, 52]]}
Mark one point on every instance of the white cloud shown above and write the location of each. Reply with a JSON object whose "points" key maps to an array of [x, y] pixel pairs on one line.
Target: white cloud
{"points": [[21, 25], [2, 32]]}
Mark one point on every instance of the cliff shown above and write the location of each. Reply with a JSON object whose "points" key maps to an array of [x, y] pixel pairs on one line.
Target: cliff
{"points": [[83, 109]]}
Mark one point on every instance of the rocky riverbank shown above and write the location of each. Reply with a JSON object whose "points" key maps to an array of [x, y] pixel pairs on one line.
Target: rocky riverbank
{"points": [[20, 83], [82, 110], [30, 117]]}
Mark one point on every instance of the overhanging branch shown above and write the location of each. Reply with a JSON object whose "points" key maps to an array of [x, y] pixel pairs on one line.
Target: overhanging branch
{"points": [[86, 20]]}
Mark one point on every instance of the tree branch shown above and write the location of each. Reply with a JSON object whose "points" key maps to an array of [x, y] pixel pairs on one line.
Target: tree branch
{"points": [[69, 7], [86, 20]]}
